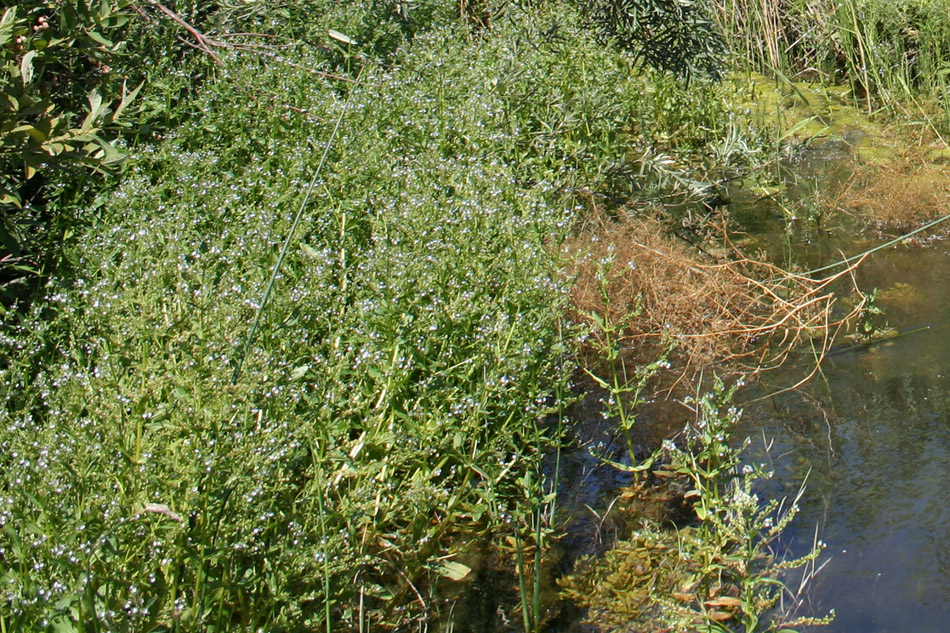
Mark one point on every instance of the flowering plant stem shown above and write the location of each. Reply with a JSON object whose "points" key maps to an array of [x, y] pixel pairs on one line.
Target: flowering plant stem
{"points": [[624, 390]]}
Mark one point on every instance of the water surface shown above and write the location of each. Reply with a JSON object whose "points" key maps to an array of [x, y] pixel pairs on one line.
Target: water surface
{"points": [[873, 431]]}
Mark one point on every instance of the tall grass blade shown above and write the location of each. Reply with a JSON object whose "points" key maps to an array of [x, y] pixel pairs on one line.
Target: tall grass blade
{"points": [[893, 242], [286, 246]]}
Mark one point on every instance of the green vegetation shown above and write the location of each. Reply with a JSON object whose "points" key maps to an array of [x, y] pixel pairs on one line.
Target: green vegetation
{"points": [[397, 391], [719, 573], [674, 36], [891, 55], [286, 322], [53, 116]]}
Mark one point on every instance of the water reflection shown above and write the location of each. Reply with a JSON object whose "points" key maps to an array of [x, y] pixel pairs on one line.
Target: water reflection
{"points": [[875, 434]]}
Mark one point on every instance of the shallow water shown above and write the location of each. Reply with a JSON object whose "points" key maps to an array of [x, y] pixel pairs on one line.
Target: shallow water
{"points": [[872, 434]]}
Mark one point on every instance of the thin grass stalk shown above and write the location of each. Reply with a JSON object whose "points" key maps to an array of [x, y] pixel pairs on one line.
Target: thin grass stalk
{"points": [[539, 536], [559, 394], [923, 112], [771, 24], [943, 94], [525, 611], [220, 618], [326, 564], [536, 585], [539, 539], [893, 242], [862, 66], [756, 29], [287, 242]]}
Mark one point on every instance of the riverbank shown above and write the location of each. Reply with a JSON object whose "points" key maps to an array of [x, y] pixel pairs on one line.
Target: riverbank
{"points": [[325, 328]]}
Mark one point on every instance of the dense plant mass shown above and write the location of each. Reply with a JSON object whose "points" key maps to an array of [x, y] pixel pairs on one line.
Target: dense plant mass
{"points": [[384, 190], [53, 115], [675, 35], [72, 81], [398, 387]]}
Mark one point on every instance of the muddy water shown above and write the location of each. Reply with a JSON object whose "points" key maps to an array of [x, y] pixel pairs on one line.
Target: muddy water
{"points": [[872, 434]]}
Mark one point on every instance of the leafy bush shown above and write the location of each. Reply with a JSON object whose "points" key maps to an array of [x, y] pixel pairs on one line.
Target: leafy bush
{"points": [[679, 36], [54, 57]]}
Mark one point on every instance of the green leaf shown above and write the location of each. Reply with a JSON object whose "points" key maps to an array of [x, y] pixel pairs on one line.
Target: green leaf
{"points": [[26, 67], [8, 16], [309, 251], [8, 237], [108, 153], [645, 465], [37, 134], [100, 39], [11, 199], [127, 98], [95, 109], [6, 26], [453, 570], [597, 379], [340, 37], [597, 320]]}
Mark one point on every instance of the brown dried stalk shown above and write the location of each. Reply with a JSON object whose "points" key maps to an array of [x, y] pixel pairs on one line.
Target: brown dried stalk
{"points": [[744, 313]]}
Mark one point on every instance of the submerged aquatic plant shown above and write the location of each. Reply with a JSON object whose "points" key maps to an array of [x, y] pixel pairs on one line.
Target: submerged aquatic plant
{"points": [[718, 570]]}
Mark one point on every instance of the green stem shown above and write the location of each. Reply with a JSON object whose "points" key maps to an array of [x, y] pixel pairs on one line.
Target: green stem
{"points": [[538, 540], [326, 562], [896, 240], [286, 246], [525, 612]]}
